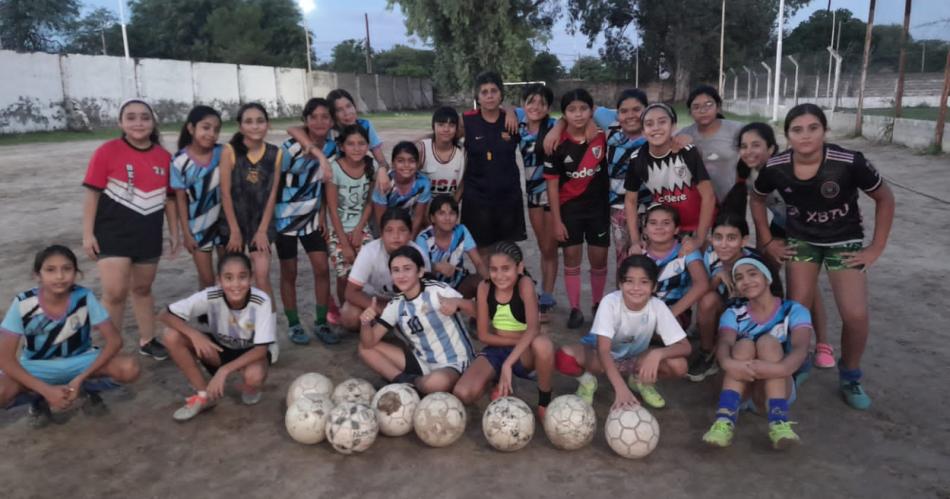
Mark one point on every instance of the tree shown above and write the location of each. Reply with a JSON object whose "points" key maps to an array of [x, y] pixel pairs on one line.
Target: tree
{"points": [[589, 68], [35, 25], [405, 61], [545, 67], [348, 56], [469, 37], [98, 32]]}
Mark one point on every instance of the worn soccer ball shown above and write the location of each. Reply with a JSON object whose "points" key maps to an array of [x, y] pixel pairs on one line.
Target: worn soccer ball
{"points": [[307, 417], [352, 427], [508, 424], [354, 390], [439, 419], [632, 433], [395, 406], [569, 422], [312, 383]]}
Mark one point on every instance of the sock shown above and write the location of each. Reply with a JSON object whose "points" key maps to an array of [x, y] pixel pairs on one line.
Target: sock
{"points": [[202, 394], [728, 405], [321, 314], [586, 378], [544, 397], [598, 279], [778, 410], [292, 318], [849, 375], [572, 281]]}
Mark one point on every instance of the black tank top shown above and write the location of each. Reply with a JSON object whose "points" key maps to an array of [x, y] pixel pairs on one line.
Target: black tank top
{"points": [[250, 187]]}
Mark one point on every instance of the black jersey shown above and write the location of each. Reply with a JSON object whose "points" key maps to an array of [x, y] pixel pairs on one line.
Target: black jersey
{"points": [[823, 209], [581, 170], [251, 182], [491, 174]]}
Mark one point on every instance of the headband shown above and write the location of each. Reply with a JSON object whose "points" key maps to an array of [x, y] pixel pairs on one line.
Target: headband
{"points": [[755, 263], [126, 102], [659, 105]]}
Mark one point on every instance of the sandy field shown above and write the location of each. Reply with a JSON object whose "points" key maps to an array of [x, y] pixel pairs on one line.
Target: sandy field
{"points": [[898, 448]]}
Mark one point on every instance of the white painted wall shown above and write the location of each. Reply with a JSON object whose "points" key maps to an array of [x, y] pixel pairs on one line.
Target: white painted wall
{"points": [[99, 84], [216, 85], [258, 84], [291, 90], [31, 93], [167, 86]]}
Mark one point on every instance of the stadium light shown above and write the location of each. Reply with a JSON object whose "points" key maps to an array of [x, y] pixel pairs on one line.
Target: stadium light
{"points": [[125, 36], [778, 59]]}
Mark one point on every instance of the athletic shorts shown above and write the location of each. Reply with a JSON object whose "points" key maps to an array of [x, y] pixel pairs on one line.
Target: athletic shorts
{"points": [[496, 356], [226, 355], [336, 253], [626, 353], [831, 256], [618, 230], [539, 199], [494, 223], [594, 228], [61, 370], [777, 230], [414, 366], [287, 245], [136, 260]]}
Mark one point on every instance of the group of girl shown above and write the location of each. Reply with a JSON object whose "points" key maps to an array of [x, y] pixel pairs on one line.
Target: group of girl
{"points": [[617, 175]]}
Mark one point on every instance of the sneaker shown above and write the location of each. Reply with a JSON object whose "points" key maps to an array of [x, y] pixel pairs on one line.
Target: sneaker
{"points": [[333, 316], [154, 349], [325, 334], [586, 388], [40, 414], [702, 366], [782, 435], [576, 319], [720, 433], [94, 405], [854, 395], [824, 356], [546, 303], [648, 393], [250, 397], [298, 335], [194, 405]]}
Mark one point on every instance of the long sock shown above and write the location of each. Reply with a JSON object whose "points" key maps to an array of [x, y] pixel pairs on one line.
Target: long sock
{"points": [[292, 318], [544, 397], [598, 279], [849, 374], [572, 281], [321, 314], [728, 405], [778, 410]]}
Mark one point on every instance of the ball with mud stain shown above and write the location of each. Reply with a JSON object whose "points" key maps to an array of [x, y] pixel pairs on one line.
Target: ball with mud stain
{"points": [[569, 422], [508, 424], [354, 390], [395, 405], [307, 417], [352, 428], [312, 383], [440, 419]]}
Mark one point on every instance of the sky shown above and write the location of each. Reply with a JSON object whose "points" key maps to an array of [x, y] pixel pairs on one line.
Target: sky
{"points": [[333, 21]]}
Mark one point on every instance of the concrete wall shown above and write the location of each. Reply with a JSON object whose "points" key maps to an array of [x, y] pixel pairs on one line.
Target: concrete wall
{"points": [[41, 91]]}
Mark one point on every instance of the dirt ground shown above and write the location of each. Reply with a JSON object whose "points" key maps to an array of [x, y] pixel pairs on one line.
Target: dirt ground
{"points": [[898, 448]]}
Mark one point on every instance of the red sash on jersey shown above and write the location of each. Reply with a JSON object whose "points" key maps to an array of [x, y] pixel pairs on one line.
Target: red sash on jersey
{"points": [[589, 166]]}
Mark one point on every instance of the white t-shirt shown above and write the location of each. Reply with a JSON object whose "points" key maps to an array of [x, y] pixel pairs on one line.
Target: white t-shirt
{"points": [[445, 177], [371, 269], [237, 329], [630, 331]]}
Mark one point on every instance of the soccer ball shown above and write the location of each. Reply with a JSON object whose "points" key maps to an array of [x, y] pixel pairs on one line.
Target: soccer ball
{"points": [[313, 383], [354, 390], [570, 422], [439, 419], [352, 427], [306, 418], [394, 406], [508, 424], [632, 433]]}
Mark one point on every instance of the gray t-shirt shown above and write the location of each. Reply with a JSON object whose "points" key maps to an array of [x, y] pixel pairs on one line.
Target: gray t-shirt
{"points": [[719, 153]]}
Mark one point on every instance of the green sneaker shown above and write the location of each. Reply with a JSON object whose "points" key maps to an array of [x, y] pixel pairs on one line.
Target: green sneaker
{"points": [[647, 392], [587, 386], [782, 435], [854, 395], [720, 433]]}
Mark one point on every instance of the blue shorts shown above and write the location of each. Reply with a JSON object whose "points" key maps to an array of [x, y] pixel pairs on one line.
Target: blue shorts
{"points": [[626, 351], [496, 356], [62, 370]]}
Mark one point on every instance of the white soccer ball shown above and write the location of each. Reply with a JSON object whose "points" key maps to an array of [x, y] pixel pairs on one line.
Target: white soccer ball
{"points": [[352, 427], [395, 406], [440, 419], [354, 390], [508, 424], [307, 417], [569, 422], [632, 433], [312, 383]]}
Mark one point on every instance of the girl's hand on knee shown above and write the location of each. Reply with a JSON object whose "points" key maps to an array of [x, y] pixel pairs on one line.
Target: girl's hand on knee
{"points": [[57, 397], [215, 387], [866, 257], [740, 370], [560, 232], [234, 242], [205, 348], [778, 250], [261, 243], [74, 386], [649, 366], [504, 380]]}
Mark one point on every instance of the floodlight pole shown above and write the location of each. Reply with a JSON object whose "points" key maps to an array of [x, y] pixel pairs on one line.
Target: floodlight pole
{"points": [[768, 78], [795, 89], [834, 92], [858, 119], [831, 46], [722, 45], [125, 35], [778, 58], [748, 88]]}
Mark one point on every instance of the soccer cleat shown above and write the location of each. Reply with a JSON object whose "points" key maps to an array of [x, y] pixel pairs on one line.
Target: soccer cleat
{"points": [[782, 435], [648, 393], [587, 387], [326, 334], [720, 433], [194, 405], [40, 414], [824, 356], [702, 366], [154, 349], [576, 319], [298, 335], [250, 397], [854, 395]]}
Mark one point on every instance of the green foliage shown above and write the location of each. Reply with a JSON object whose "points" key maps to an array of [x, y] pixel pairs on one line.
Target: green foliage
{"points": [[545, 67], [348, 56], [98, 32], [35, 25], [589, 68], [404, 61]]}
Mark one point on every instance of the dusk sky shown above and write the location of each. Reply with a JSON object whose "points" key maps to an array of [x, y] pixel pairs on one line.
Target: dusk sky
{"points": [[333, 21]]}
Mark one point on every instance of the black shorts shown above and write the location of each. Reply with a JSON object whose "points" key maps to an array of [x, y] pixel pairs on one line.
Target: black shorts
{"points": [[490, 224], [287, 245], [592, 227], [226, 355], [136, 260]]}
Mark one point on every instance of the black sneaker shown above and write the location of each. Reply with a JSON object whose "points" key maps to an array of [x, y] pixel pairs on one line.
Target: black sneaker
{"points": [[94, 405], [576, 319], [154, 349], [39, 413], [702, 366]]}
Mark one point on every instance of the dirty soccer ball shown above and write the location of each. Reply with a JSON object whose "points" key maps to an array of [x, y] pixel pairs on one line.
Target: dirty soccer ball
{"points": [[440, 419], [508, 424], [313, 383], [354, 390], [570, 422], [307, 417], [352, 428], [395, 405], [632, 433]]}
